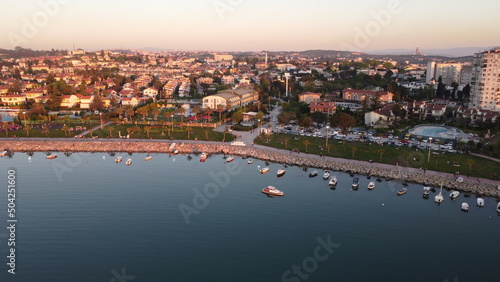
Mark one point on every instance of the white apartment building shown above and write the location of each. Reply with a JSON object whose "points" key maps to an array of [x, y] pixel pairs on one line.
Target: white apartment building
{"points": [[485, 84], [449, 72]]}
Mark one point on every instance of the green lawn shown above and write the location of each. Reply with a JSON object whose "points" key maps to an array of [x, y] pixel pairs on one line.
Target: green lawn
{"points": [[54, 130], [402, 156]]}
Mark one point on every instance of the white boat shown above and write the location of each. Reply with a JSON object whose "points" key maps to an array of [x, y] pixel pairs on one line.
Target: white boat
{"points": [[326, 175], [480, 202], [280, 172], [498, 207], [465, 207], [148, 158], [371, 185], [230, 159], [454, 194], [52, 156], [427, 191], [118, 159], [128, 162], [3, 153], [182, 144], [439, 197], [402, 191], [333, 181], [203, 157], [175, 152], [172, 146], [460, 180], [264, 170], [355, 183], [272, 191], [313, 173], [249, 162]]}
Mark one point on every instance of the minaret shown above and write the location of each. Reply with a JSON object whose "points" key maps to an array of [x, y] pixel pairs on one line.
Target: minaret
{"points": [[266, 59]]}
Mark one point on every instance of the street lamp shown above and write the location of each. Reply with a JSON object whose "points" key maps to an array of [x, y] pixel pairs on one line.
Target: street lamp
{"points": [[24, 115], [258, 126], [327, 129], [100, 115], [429, 154]]}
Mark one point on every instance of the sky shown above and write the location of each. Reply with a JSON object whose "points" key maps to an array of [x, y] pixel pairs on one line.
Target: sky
{"points": [[249, 25]]}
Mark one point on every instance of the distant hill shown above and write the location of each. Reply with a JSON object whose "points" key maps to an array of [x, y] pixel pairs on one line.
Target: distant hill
{"points": [[450, 52]]}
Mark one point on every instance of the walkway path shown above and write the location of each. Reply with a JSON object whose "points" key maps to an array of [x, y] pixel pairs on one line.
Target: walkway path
{"points": [[95, 128], [485, 157]]}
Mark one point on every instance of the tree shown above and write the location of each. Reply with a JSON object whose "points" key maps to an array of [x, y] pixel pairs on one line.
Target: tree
{"points": [[353, 150], [65, 128], [209, 112], [206, 134], [148, 130], [97, 103], [111, 129], [237, 116], [306, 143], [441, 89], [144, 111], [398, 111], [220, 109], [342, 120], [156, 112], [27, 127], [381, 152], [286, 142], [181, 112], [470, 162], [306, 122]]}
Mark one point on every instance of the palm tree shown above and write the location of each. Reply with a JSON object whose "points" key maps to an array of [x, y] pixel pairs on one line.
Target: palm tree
{"points": [[437, 158], [206, 134], [148, 130], [209, 112], [353, 150], [111, 129], [220, 109], [381, 152], [226, 130], [181, 112], [91, 131], [65, 128], [156, 112], [196, 111], [45, 129], [286, 142], [189, 131], [28, 128], [470, 162], [306, 143]]}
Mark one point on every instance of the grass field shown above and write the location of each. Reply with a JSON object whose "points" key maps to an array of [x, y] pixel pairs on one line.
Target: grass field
{"points": [[402, 156]]}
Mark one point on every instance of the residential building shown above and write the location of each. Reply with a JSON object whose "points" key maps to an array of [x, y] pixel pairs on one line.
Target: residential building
{"points": [[382, 118], [309, 97], [485, 82], [231, 99], [130, 101], [361, 95], [150, 92], [69, 101], [449, 72], [13, 99], [227, 79], [466, 75], [327, 108], [222, 57]]}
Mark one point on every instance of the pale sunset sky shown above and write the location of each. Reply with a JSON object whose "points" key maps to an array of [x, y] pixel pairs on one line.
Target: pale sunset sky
{"points": [[249, 25]]}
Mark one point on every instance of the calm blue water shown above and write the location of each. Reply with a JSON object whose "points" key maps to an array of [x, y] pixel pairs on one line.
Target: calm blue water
{"points": [[86, 218]]}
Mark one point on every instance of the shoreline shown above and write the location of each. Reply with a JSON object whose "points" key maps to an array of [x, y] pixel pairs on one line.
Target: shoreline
{"points": [[485, 187]]}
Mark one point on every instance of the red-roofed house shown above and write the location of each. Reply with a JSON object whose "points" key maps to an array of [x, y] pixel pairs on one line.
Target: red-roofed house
{"points": [[360, 95], [309, 97], [380, 118], [328, 108], [151, 92], [13, 99], [68, 101], [130, 101]]}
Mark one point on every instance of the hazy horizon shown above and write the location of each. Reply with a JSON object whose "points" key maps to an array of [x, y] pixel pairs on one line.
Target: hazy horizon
{"points": [[237, 25]]}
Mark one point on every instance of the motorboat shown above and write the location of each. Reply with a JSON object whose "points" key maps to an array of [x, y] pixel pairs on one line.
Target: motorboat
{"points": [[465, 207], [249, 162], [313, 173], [439, 197], [402, 191], [371, 185], [326, 175], [52, 156], [454, 195], [427, 191], [264, 170], [480, 202], [460, 180], [333, 181], [272, 191], [355, 183], [229, 159], [128, 162], [3, 153], [118, 159], [280, 172], [175, 152], [149, 157], [498, 207], [203, 157]]}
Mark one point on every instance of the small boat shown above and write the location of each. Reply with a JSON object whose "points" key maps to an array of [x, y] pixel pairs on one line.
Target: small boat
{"points": [[230, 159], [498, 207], [333, 181], [326, 175], [427, 191], [313, 173], [119, 159], [439, 197], [128, 162], [280, 172], [148, 158], [355, 183], [460, 180], [454, 195], [272, 191], [465, 207], [203, 157], [480, 202], [371, 185], [249, 162], [171, 146], [264, 170], [175, 152], [402, 191], [3, 153], [52, 156]]}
